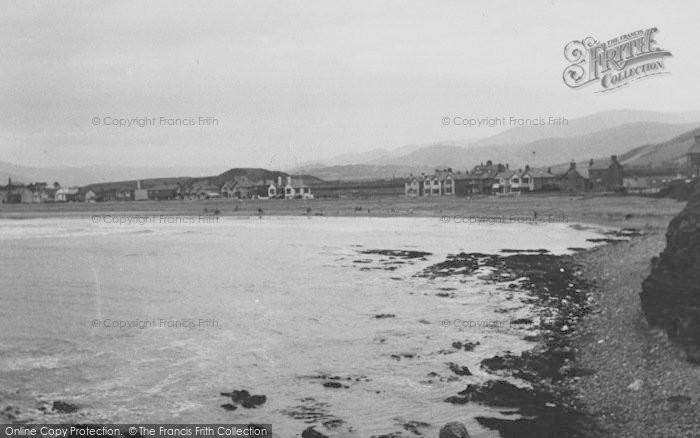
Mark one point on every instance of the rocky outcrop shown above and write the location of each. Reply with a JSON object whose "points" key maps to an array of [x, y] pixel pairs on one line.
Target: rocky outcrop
{"points": [[671, 294], [454, 430]]}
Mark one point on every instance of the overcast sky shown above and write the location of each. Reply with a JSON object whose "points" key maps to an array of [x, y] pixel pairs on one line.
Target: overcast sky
{"points": [[291, 82]]}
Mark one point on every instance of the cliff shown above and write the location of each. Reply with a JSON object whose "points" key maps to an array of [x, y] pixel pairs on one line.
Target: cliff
{"points": [[671, 294]]}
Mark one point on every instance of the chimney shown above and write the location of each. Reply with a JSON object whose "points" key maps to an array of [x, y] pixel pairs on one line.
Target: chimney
{"points": [[527, 168], [612, 157], [279, 180], [590, 163], [549, 170], [489, 163], [506, 165], [572, 165], [138, 185]]}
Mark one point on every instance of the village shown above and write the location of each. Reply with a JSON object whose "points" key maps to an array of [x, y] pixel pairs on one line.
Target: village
{"points": [[490, 179]]}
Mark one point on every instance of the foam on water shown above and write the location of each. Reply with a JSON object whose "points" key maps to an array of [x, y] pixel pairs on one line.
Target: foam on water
{"points": [[292, 303]]}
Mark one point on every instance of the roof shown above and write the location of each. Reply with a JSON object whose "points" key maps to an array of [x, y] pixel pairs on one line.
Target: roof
{"points": [[582, 172], [539, 173], [67, 191], [460, 176], [603, 164], [506, 174]]}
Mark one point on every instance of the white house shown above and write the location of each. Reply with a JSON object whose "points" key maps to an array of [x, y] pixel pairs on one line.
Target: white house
{"points": [[66, 195]]}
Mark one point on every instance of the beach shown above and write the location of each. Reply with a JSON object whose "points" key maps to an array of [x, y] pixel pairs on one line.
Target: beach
{"points": [[559, 297]]}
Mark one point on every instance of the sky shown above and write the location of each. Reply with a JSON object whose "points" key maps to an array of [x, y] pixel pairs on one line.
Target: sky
{"points": [[289, 82]]}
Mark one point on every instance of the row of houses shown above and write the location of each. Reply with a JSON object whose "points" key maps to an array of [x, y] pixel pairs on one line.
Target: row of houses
{"points": [[490, 178], [239, 187]]}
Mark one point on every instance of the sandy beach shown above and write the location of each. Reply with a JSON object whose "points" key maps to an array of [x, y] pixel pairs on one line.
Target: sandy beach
{"points": [[598, 367]]}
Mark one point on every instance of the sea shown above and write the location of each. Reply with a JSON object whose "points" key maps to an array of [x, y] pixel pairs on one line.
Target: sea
{"points": [[150, 320]]}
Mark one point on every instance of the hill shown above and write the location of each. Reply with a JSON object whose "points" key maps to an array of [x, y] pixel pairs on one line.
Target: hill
{"points": [[671, 153]]}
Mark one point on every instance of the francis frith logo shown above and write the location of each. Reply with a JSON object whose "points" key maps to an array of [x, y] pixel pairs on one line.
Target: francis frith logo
{"points": [[616, 62]]}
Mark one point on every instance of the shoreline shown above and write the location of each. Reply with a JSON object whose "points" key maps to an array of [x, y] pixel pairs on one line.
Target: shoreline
{"points": [[605, 210], [577, 380], [641, 384]]}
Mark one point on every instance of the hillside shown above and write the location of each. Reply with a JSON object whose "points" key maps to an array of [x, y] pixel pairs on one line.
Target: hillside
{"points": [[671, 153], [431, 155], [545, 152]]}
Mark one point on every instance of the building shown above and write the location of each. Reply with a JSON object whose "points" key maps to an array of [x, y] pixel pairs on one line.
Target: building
{"points": [[694, 159], [444, 182], [296, 189], [140, 194], [165, 192], [414, 186], [67, 195], [573, 180], [504, 180], [539, 180], [228, 190], [605, 175], [482, 178], [89, 196]]}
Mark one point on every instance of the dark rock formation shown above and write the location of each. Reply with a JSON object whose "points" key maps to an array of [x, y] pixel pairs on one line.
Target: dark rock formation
{"points": [[454, 429], [243, 398], [671, 294], [63, 407], [310, 432]]}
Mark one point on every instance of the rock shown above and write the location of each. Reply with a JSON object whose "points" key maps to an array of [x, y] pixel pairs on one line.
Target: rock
{"points": [[332, 385], [679, 399], [466, 345], [454, 429], [229, 407], [253, 401], [459, 370], [64, 408], [310, 432], [243, 398], [635, 386], [239, 396], [501, 393], [671, 294]]}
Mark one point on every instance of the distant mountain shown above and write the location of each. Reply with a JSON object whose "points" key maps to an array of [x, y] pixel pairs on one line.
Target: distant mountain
{"points": [[588, 125], [259, 174], [598, 135], [358, 172], [613, 141], [80, 176]]}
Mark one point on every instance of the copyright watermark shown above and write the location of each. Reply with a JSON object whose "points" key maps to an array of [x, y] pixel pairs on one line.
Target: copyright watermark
{"points": [[509, 121], [142, 324], [154, 220], [143, 122], [493, 220], [485, 323]]}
